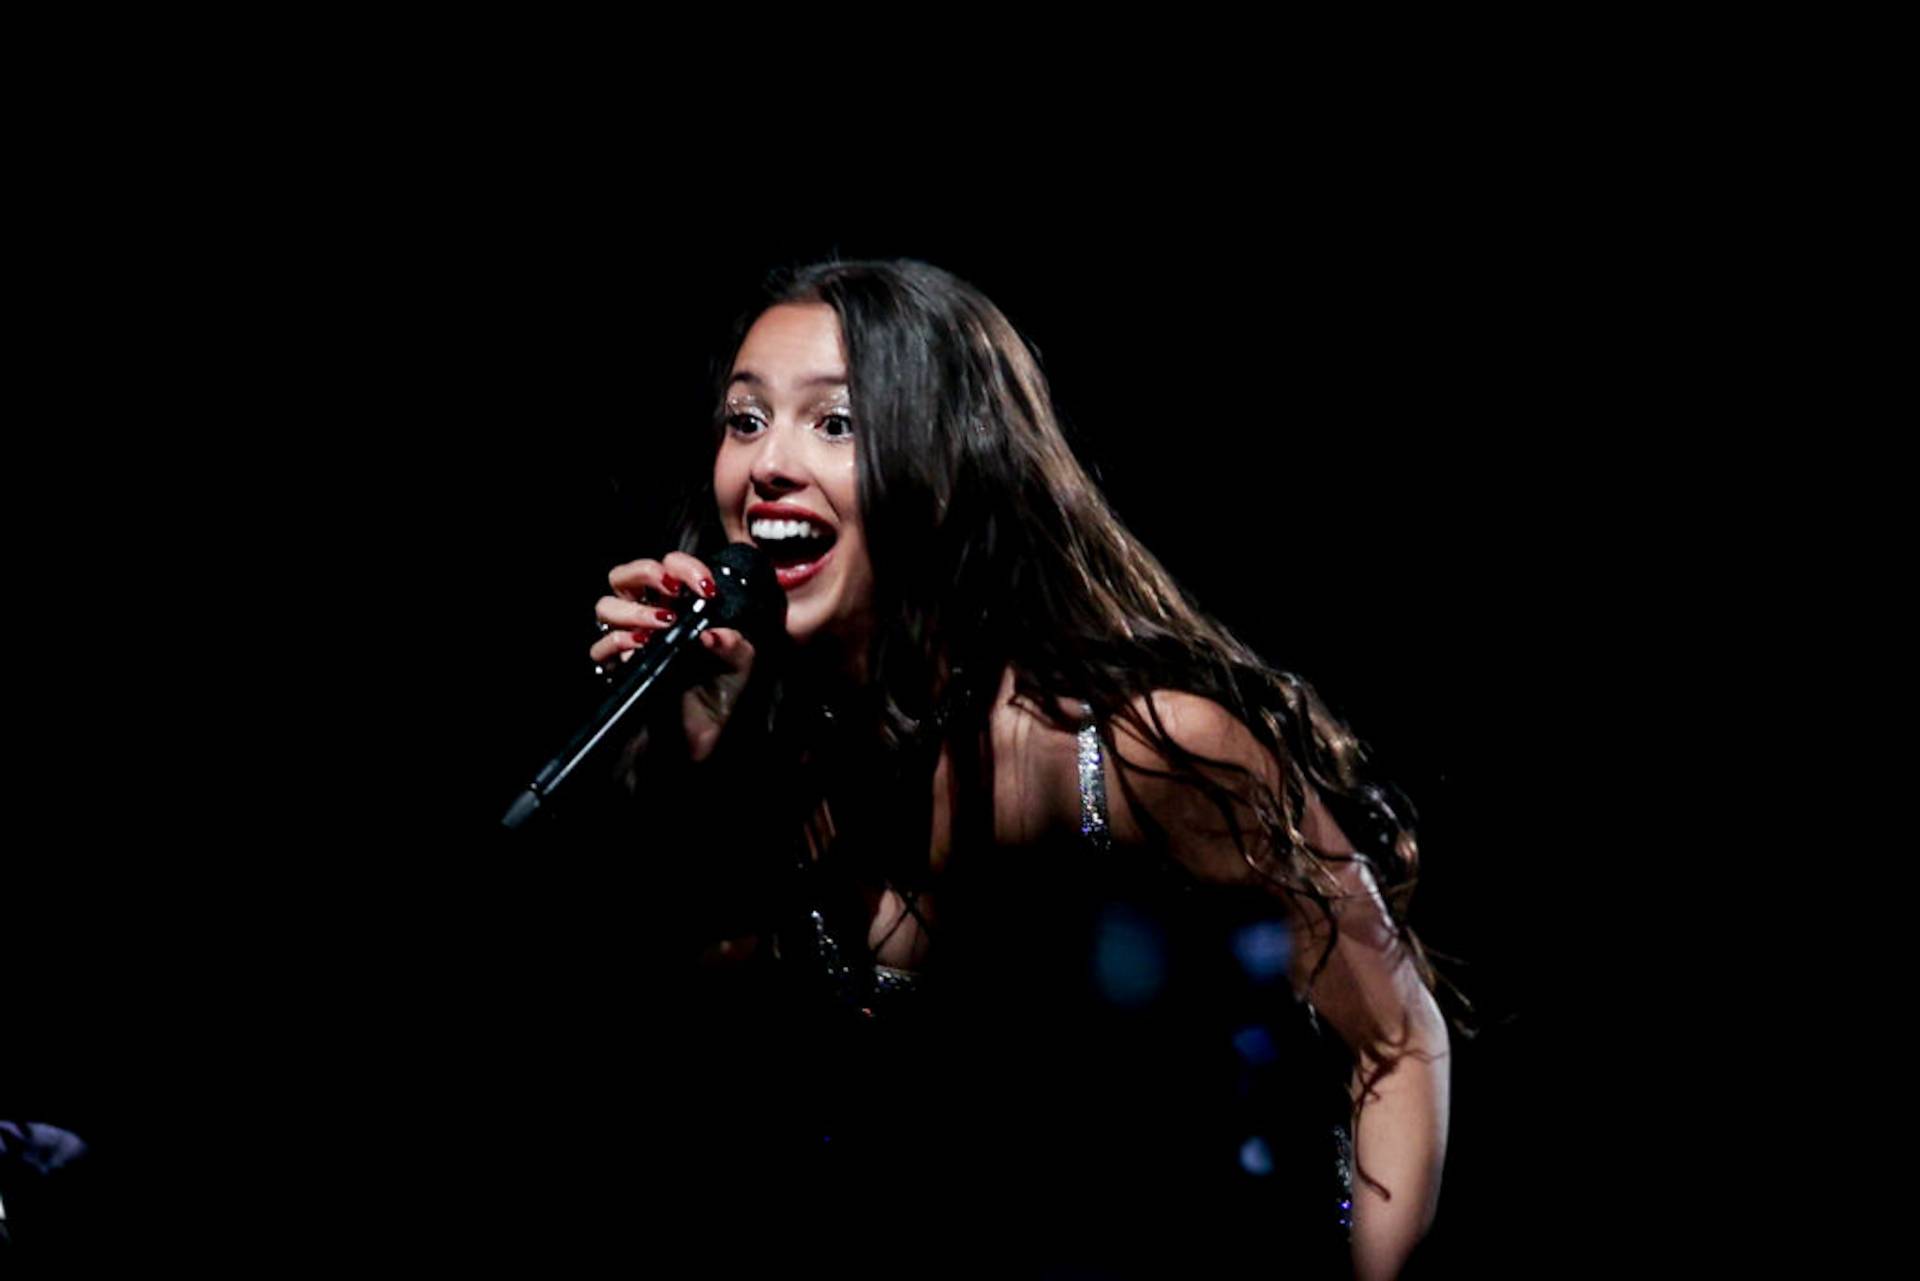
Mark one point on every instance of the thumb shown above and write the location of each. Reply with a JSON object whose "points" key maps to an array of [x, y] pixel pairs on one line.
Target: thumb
{"points": [[732, 648]]}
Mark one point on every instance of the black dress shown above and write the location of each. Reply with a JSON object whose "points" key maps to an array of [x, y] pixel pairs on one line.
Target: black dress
{"points": [[1104, 1072]]}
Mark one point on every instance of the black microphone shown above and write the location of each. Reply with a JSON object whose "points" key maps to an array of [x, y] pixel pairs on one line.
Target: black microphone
{"points": [[749, 599]]}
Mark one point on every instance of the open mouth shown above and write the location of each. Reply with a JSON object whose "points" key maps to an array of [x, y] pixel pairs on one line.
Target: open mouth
{"points": [[797, 548]]}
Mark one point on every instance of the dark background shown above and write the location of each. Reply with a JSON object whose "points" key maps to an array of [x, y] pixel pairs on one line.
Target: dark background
{"points": [[333, 470], [1370, 457]]}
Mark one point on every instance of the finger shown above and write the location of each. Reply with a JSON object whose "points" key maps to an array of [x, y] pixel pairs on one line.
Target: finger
{"points": [[612, 665], [630, 580], [657, 582], [691, 572], [629, 614], [620, 643], [731, 648]]}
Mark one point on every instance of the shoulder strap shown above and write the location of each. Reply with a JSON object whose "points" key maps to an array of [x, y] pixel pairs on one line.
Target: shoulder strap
{"points": [[1093, 786]]}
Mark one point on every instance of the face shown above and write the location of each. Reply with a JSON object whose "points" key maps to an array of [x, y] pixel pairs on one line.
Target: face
{"points": [[785, 477]]}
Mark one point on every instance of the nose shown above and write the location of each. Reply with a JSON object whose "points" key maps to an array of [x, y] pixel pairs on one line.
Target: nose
{"points": [[777, 467]]}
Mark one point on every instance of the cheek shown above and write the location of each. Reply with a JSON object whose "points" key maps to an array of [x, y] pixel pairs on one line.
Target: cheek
{"points": [[859, 569], [836, 469]]}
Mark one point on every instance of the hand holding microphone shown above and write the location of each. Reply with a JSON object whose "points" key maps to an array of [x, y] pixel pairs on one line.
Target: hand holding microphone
{"points": [[650, 596], [715, 607]]}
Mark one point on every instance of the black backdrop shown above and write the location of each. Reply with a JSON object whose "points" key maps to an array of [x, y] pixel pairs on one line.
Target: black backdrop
{"points": [[370, 448], [1357, 452]]}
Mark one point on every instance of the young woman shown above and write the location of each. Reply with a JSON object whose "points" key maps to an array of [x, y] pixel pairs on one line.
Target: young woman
{"points": [[1016, 793]]}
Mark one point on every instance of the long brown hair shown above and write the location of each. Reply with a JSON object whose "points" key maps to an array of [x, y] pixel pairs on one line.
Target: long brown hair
{"points": [[993, 548]]}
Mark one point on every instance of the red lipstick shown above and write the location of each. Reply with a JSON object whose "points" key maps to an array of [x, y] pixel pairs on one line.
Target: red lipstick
{"points": [[785, 511], [791, 576]]}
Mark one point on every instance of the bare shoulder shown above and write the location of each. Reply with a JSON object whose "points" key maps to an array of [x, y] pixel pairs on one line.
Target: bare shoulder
{"points": [[1224, 749], [1152, 792], [1195, 725], [1185, 776]]}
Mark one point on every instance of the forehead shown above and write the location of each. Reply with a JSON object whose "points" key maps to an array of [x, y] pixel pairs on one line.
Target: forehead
{"points": [[791, 345]]}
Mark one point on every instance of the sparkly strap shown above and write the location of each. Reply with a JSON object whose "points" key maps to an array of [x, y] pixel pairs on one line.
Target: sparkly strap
{"points": [[892, 979], [1093, 786]]}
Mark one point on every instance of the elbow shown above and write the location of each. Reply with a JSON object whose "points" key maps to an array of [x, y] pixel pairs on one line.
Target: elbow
{"points": [[1416, 1044], [1400, 1154], [1402, 1100]]}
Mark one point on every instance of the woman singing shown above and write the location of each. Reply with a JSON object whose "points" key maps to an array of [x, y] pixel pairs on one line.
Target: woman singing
{"points": [[1078, 922]]}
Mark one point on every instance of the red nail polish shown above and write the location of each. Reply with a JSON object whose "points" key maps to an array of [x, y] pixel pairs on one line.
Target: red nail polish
{"points": [[641, 638], [665, 615], [707, 588], [670, 584]]}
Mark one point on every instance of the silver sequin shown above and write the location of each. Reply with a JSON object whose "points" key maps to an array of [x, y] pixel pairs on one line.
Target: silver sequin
{"points": [[1093, 789], [827, 948], [888, 978], [1343, 1169]]}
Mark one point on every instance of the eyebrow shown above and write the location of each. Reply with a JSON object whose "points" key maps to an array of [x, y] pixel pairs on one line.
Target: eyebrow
{"points": [[812, 380]]}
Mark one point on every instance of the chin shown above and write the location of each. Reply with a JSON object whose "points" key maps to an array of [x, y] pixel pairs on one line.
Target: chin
{"points": [[803, 621], [809, 628]]}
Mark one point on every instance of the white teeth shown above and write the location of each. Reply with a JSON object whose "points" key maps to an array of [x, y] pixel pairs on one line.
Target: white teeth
{"points": [[768, 530]]}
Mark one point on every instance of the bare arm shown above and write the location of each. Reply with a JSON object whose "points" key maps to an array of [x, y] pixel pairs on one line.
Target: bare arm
{"points": [[1368, 990]]}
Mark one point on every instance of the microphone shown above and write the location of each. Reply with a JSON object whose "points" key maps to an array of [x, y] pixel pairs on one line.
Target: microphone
{"points": [[749, 599]]}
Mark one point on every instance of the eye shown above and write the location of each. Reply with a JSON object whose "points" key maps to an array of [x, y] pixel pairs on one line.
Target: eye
{"points": [[836, 426], [743, 424]]}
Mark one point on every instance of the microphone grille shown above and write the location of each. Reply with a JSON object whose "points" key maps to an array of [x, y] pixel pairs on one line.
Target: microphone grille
{"points": [[749, 597]]}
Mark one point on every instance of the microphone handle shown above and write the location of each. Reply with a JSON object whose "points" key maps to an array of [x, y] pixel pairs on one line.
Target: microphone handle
{"points": [[649, 669]]}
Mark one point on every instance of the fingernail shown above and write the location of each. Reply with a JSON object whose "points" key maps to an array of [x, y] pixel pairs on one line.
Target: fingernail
{"points": [[641, 638], [665, 615], [670, 584], [707, 588]]}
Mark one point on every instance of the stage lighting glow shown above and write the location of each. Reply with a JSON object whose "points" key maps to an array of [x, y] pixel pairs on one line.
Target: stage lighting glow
{"points": [[1129, 958], [1264, 950], [1256, 1046]]}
